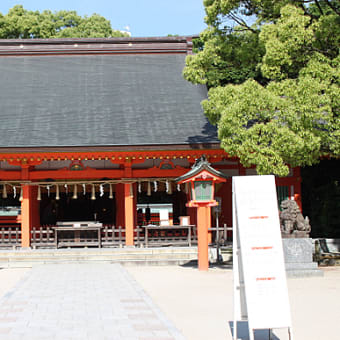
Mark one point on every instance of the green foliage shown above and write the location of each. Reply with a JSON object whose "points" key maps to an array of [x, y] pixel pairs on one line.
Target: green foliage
{"points": [[294, 39], [274, 87], [220, 11], [20, 23], [225, 58], [287, 44]]}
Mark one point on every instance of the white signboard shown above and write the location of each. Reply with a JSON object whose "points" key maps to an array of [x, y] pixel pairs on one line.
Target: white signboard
{"points": [[260, 286], [164, 217]]}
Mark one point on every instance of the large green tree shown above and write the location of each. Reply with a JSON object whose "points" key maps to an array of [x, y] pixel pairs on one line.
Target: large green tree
{"points": [[20, 23], [274, 85]]}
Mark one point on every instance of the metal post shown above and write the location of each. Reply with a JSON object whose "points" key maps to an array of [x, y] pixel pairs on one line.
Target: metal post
{"points": [[217, 240], [251, 333], [290, 333], [235, 327]]}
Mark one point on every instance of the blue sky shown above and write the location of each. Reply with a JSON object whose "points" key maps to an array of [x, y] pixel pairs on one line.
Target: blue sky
{"points": [[146, 18]]}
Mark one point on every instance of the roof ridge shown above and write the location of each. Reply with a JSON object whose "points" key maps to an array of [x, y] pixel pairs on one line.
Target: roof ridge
{"points": [[94, 40], [124, 45]]}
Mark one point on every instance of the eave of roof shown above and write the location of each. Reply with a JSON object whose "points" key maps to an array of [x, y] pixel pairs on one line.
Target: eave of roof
{"points": [[112, 148]]}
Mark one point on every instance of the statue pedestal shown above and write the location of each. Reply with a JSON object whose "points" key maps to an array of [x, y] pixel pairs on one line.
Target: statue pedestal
{"points": [[296, 234], [298, 254]]}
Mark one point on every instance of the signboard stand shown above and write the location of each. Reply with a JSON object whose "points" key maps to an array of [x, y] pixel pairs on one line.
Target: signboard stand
{"points": [[260, 285]]}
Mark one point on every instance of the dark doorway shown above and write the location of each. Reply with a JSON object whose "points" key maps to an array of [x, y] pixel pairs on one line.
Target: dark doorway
{"points": [[321, 198], [102, 209]]}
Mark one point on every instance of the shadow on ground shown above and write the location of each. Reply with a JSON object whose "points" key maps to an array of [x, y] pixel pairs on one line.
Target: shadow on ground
{"points": [[243, 332], [194, 264]]}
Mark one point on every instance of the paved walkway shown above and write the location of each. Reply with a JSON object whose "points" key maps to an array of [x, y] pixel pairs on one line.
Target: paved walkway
{"points": [[81, 301]]}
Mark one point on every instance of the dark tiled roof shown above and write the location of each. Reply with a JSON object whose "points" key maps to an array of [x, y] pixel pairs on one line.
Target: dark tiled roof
{"points": [[97, 100]]}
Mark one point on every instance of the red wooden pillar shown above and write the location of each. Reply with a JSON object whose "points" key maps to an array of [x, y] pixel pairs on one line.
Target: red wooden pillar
{"points": [[129, 213], [26, 216], [126, 206], [203, 224]]}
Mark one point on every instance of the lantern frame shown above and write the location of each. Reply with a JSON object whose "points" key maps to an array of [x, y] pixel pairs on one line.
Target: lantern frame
{"points": [[201, 172]]}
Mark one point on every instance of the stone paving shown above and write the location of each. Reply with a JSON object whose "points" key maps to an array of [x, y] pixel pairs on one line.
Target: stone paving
{"points": [[82, 301]]}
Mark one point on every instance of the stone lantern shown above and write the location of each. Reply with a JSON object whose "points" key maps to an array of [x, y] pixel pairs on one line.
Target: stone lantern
{"points": [[201, 180]]}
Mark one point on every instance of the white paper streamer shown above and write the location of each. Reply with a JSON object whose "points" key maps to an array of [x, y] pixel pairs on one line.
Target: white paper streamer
{"points": [[4, 191], [170, 188], [111, 193], [75, 192], [93, 196], [57, 196], [21, 195]]}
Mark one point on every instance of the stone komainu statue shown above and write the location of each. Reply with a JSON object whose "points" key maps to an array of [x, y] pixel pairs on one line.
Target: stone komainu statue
{"points": [[292, 221]]}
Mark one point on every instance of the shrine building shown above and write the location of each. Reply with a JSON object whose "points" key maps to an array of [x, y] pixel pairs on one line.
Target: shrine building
{"points": [[98, 130]]}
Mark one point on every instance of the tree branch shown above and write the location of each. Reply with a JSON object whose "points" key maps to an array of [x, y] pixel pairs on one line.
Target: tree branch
{"points": [[319, 7], [334, 8], [241, 22], [313, 17], [301, 5]]}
